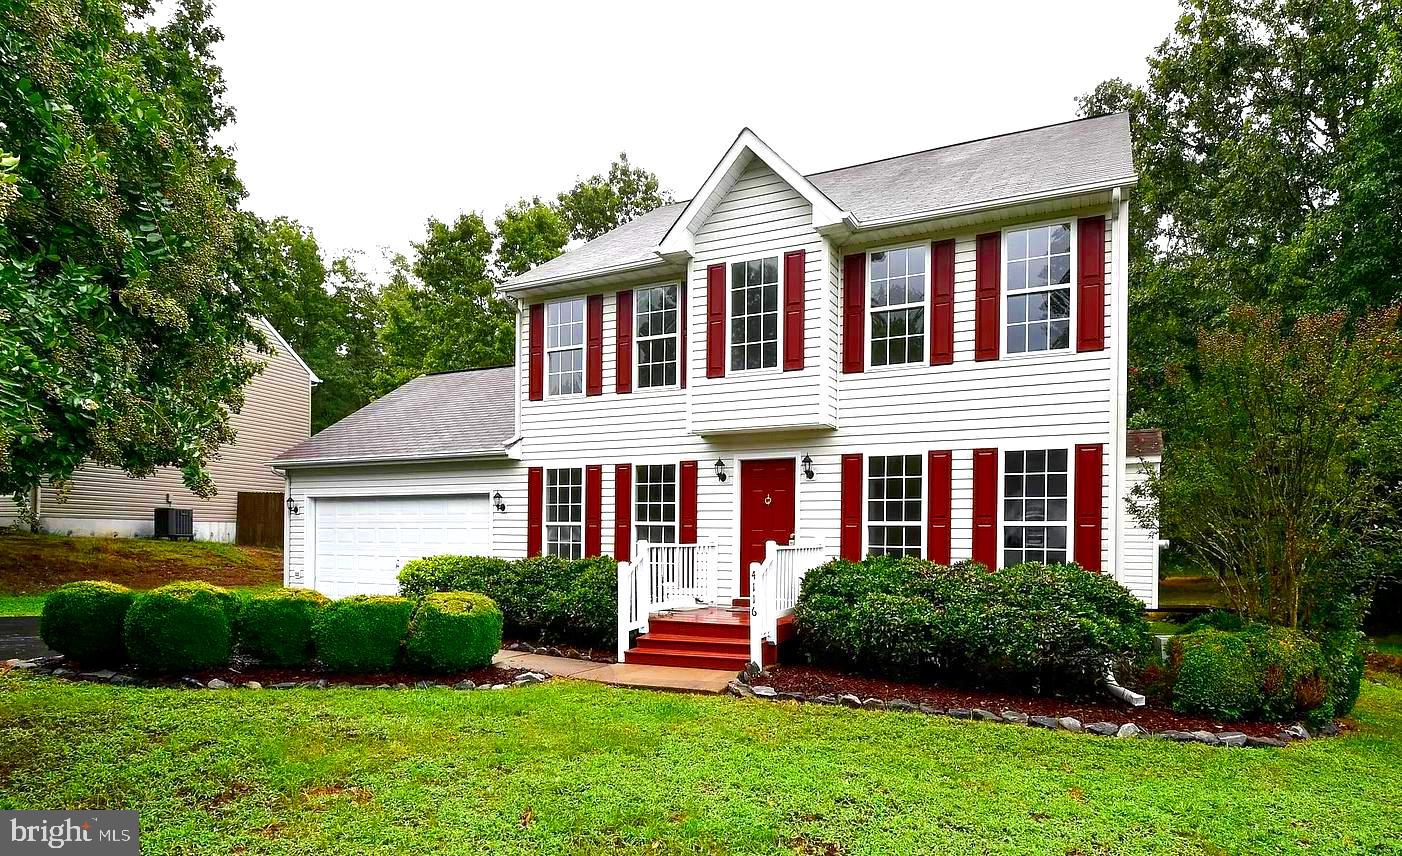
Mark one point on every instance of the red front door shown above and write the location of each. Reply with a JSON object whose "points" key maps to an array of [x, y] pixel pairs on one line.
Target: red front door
{"points": [[766, 511]]}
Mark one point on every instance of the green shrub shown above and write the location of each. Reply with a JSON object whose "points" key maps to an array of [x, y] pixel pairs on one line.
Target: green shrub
{"points": [[586, 611], [1259, 672], [454, 573], [276, 626], [1030, 624], [84, 621], [1216, 619], [454, 631], [1343, 655], [361, 633], [179, 627]]}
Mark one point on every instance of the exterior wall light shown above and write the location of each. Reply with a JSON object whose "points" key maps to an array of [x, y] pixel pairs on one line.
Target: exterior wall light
{"points": [[720, 469], [497, 502], [807, 463], [292, 507]]}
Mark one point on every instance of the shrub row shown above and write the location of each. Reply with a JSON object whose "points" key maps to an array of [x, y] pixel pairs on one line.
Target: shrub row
{"points": [[1032, 624], [193, 625], [542, 597]]}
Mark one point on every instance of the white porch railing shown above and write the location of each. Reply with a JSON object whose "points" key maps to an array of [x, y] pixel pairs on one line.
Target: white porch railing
{"points": [[663, 576], [774, 585]]}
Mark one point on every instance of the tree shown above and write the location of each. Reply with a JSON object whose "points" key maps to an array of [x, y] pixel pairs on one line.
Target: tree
{"points": [[1285, 448], [122, 332], [604, 202], [528, 234]]}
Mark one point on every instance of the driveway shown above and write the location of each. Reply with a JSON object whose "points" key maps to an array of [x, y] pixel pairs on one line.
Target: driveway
{"points": [[19, 638]]}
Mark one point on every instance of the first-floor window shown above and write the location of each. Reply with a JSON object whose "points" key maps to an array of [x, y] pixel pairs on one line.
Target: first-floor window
{"points": [[564, 513], [1034, 506], [656, 507], [894, 505]]}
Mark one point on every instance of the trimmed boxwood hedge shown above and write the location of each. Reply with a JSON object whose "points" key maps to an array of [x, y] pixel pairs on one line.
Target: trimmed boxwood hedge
{"points": [[453, 632], [84, 621], [276, 627], [361, 633], [180, 627]]}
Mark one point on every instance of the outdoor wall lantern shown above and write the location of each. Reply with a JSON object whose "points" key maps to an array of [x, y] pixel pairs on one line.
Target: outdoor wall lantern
{"points": [[497, 501], [720, 469], [807, 466], [292, 507]]}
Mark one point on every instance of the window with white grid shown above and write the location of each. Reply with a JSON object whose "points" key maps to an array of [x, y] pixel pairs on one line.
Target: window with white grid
{"points": [[894, 497], [1034, 506], [564, 512], [655, 511], [655, 311], [897, 298], [754, 314], [1038, 280]]}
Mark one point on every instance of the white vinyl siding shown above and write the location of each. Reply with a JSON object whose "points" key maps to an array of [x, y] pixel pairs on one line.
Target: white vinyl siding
{"points": [[1139, 570]]}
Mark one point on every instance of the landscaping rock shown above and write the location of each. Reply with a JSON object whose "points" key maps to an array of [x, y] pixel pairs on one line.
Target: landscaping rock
{"points": [[1264, 742], [252, 685], [901, 705], [1041, 722], [465, 685], [552, 651], [1069, 723], [764, 692], [1329, 729], [283, 685], [750, 672], [849, 700], [99, 675], [823, 699], [377, 686], [1177, 736], [1206, 737], [219, 684], [790, 697], [1297, 732], [1129, 729], [123, 681], [401, 686], [873, 704], [930, 710], [983, 715], [518, 646], [62, 673], [422, 685], [1016, 717], [738, 688], [192, 683], [1104, 729], [24, 665], [531, 678], [960, 713], [1232, 738], [498, 686]]}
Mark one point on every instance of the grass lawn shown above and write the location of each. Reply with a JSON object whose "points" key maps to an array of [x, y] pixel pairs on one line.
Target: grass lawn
{"points": [[33, 565], [581, 768]]}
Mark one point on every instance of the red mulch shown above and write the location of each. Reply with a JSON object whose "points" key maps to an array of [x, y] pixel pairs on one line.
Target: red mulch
{"points": [[812, 681], [268, 675]]}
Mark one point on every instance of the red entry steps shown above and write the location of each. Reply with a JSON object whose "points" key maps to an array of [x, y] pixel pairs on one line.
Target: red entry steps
{"points": [[709, 638]]}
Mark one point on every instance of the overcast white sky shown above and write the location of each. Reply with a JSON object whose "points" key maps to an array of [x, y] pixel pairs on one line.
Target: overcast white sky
{"points": [[363, 119]]}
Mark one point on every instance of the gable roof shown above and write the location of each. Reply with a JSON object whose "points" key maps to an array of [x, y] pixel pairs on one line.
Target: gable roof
{"points": [[279, 342], [466, 414], [1076, 156]]}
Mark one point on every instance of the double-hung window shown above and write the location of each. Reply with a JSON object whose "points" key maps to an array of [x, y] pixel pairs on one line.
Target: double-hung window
{"points": [[656, 503], [1034, 506], [564, 346], [754, 314], [897, 306], [564, 512], [656, 326], [894, 494], [1038, 279]]}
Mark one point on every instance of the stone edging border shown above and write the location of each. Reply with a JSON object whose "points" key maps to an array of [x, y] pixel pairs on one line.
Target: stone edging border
{"points": [[556, 651], [48, 666], [744, 686]]}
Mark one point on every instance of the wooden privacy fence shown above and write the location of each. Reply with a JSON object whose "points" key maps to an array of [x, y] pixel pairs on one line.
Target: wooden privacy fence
{"points": [[259, 519]]}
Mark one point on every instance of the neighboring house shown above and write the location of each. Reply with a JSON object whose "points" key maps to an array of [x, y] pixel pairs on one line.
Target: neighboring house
{"points": [[921, 355], [276, 414]]}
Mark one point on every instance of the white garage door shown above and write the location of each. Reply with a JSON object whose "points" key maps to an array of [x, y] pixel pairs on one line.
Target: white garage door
{"points": [[362, 542]]}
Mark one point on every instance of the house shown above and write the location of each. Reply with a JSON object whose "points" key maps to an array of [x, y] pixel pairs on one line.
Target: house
{"points": [[921, 355], [106, 501]]}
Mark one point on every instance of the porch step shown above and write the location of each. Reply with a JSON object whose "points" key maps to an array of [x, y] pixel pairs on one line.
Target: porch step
{"points": [[705, 644], [732, 627], [686, 658]]}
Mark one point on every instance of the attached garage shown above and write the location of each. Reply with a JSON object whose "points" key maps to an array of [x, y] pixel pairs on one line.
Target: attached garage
{"points": [[359, 544]]}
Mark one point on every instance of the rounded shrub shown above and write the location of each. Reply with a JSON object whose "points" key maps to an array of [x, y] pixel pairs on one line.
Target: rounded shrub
{"points": [[484, 574], [453, 631], [84, 621], [179, 627], [1259, 672], [1342, 652], [586, 609], [361, 633], [276, 627]]}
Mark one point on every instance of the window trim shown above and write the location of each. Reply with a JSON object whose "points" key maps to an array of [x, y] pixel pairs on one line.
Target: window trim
{"points": [[1037, 446], [636, 523], [925, 304], [922, 524], [778, 366], [638, 339], [545, 522], [1004, 293], [583, 347]]}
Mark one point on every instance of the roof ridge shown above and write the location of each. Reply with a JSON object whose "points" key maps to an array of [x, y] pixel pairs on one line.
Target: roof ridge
{"points": [[472, 369]]}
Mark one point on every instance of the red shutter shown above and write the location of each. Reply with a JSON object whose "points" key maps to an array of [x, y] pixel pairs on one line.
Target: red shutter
{"points": [[851, 543], [623, 512], [683, 321], [623, 351], [942, 303], [535, 498], [687, 501], [715, 321], [795, 274], [988, 276], [1090, 284], [536, 356], [594, 345], [986, 507], [854, 308], [1090, 463], [941, 474], [593, 510]]}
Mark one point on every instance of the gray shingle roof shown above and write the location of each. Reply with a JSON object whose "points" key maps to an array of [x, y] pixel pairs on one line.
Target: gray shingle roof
{"points": [[1024, 163], [465, 413]]}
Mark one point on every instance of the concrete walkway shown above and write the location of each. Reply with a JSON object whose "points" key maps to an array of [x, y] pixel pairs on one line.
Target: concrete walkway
{"points": [[620, 674]]}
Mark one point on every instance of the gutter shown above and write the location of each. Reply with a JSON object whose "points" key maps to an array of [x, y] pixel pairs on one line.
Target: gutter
{"points": [[990, 204], [624, 267], [474, 454]]}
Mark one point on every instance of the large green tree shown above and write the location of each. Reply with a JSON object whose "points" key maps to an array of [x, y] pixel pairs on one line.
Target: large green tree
{"points": [[603, 202], [123, 335]]}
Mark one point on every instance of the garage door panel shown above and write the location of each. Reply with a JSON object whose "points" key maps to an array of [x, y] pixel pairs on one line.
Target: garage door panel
{"points": [[362, 542]]}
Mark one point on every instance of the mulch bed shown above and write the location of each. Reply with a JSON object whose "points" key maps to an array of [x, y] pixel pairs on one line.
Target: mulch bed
{"points": [[811, 681], [268, 675], [1381, 662]]}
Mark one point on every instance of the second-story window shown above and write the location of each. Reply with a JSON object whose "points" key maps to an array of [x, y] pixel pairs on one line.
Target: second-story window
{"points": [[564, 346], [564, 512], [656, 515], [656, 326], [754, 314], [898, 306], [1038, 278]]}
